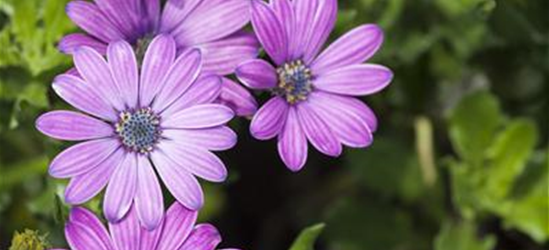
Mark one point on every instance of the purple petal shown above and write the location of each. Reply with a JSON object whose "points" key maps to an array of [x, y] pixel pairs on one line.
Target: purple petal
{"points": [[305, 12], [284, 11], [182, 184], [199, 116], [223, 56], [257, 74], [179, 78], [84, 231], [86, 186], [149, 201], [204, 90], [292, 144], [217, 139], [355, 80], [236, 97], [355, 47], [346, 125], [123, 16], [82, 157], [175, 11], [270, 119], [123, 65], [203, 237], [72, 126], [158, 59], [352, 105], [150, 239], [71, 42], [152, 9], [126, 234], [88, 17], [83, 96], [121, 189], [196, 160], [270, 32], [95, 71], [321, 27], [178, 225], [212, 22], [317, 130]]}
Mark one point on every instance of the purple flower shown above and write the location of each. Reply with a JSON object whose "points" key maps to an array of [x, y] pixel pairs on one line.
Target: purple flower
{"points": [[177, 231], [160, 119], [313, 95], [213, 26]]}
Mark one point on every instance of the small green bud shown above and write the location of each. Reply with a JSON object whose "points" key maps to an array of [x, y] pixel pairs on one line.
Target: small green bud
{"points": [[29, 240]]}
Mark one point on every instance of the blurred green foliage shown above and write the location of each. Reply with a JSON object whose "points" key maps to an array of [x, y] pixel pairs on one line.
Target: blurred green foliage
{"points": [[460, 161]]}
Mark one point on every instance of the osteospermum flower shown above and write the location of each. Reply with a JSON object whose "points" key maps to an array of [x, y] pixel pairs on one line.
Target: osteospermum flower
{"points": [[84, 231], [213, 26], [159, 119], [313, 96]]}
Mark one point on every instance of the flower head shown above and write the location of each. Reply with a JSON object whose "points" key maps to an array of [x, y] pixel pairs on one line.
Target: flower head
{"points": [[314, 96], [177, 231], [213, 26], [160, 117]]}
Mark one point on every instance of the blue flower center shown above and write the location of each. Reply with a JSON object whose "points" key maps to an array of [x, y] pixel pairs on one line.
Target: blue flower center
{"points": [[294, 82], [139, 130]]}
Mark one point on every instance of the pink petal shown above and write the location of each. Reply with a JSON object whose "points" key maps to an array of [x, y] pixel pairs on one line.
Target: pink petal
{"points": [[199, 116], [121, 189], [355, 47], [348, 126], [175, 11], [179, 78], [221, 57], [158, 59], [270, 119], [126, 234], [87, 16], [270, 32], [72, 126], [83, 96], [204, 90], [257, 74], [292, 144], [355, 80], [82, 157], [203, 237], [86, 186], [319, 30], [209, 23], [182, 184], [123, 65], [70, 43], [85, 232], [217, 138], [149, 201], [195, 160], [178, 225], [236, 97], [96, 72], [317, 130]]}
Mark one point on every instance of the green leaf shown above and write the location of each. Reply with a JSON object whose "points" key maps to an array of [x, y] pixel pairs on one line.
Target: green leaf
{"points": [[508, 156], [307, 238], [473, 124], [462, 236]]}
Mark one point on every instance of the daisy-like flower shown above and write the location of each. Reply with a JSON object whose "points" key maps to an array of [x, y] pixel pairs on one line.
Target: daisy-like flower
{"points": [[177, 231], [313, 95], [160, 119], [213, 26]]}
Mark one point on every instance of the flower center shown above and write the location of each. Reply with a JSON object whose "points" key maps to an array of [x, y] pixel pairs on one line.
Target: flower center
{"points": [[139, 130], [294, 82]]}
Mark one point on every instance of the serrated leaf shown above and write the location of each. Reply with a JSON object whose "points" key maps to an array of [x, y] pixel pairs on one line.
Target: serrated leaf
{"points": [[473, 124], [307, 238], [462, 236]]}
